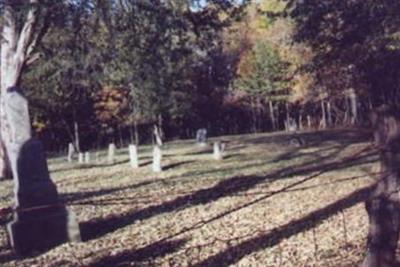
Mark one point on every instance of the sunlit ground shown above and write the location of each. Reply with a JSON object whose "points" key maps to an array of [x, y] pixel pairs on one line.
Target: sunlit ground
{"points": [[266, 204]]}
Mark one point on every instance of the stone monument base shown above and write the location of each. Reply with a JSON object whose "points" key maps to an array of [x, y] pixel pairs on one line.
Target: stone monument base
{"points": [[38, 229]]}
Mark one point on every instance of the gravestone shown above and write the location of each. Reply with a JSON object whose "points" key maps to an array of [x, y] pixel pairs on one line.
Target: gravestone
{"points": [[309, 122], [133, 156], [111, 153], [97, 156], [71, 151], [201, 137], [87, 157], [80, 158], [291, 125], [157, 157], [219, 150], [40, 220]]}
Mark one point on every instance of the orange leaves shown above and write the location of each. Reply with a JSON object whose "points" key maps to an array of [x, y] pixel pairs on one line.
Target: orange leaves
{"points": [[111, 105]]}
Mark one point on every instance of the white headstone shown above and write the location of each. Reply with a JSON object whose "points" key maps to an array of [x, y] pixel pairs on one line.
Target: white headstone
{"points": [[71, 151], [133, 156], [219, 150], [157, 157], [111, 153], [87, 157], [80, 158]]}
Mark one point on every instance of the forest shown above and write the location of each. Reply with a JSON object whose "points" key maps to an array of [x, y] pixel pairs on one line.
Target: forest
{"points": [[111, 70]]}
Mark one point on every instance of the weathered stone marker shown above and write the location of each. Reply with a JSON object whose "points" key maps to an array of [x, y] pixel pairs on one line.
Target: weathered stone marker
{"points": [[87, 157], [111, 153], [133, 156], [201, 137], [309, 122], [71, 151], [219, 150], [157, 157], [80, 158], [40, 220]]}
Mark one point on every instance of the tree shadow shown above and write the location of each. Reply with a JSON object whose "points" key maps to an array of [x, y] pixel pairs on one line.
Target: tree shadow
{"points": [[71, 197], [233, 254], [101, 226], [85, 166], [152, 251], [7, 256], [343, 136], [177, 164]]}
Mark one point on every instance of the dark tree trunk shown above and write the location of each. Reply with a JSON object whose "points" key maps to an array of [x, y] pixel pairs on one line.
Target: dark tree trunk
{"points": [[272, 115], [383, 204], [76, 135]]}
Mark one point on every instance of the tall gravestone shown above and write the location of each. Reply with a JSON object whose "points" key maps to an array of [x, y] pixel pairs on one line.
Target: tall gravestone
{"points": [[111, 153], [157, 157], [87, 157], [201, 137], [71, 151], [40, 220], [80, 158], [133, 156], [219, 150]]}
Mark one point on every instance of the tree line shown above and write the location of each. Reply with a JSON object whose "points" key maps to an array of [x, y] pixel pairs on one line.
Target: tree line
{"points": [[106, 70]]}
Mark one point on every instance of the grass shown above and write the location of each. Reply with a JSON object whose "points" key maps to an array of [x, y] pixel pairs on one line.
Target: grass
{"points": [[266, 204]]}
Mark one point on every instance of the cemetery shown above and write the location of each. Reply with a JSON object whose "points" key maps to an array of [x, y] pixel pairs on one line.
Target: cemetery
{"points": [[199, 133]]}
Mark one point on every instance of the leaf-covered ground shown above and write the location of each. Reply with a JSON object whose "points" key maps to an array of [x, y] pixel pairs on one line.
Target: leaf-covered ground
{"points": [[266, 204]]}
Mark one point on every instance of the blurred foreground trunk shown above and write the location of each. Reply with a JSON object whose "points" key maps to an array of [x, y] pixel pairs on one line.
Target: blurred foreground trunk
{"points": [[383, 204]]}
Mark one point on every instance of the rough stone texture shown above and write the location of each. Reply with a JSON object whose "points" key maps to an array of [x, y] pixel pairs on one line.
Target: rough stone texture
{"points": [[40, 220], [157, 157], [133, 156], [111, 153]]}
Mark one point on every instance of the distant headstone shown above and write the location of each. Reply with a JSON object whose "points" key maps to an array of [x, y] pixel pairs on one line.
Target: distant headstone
{"points": [[71, 151], [80, 158], [157, 157], [219, 150], [40, 220], [309, 122], [87, 157], [133, 156], [111, 153], [201, 136], [292, 125], [296, 142]]}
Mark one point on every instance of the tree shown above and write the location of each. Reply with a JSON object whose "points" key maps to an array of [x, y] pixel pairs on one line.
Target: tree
{"points": [[356, 46], [20, 32]]}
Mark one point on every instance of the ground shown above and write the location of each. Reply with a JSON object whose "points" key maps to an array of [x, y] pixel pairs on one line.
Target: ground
{"points": [[268, 203]]}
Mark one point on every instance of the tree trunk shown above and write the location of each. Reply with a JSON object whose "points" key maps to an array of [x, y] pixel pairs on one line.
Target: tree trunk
{"points": [[136, 130], [272, 115], [76, 135], [287, 116], [353, 102], [322, 123], [329, 111], [16, 47], [383, 204]]}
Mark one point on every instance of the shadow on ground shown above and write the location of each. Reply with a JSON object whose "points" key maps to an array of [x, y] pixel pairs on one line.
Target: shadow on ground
{"points": [[98, 227]]}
